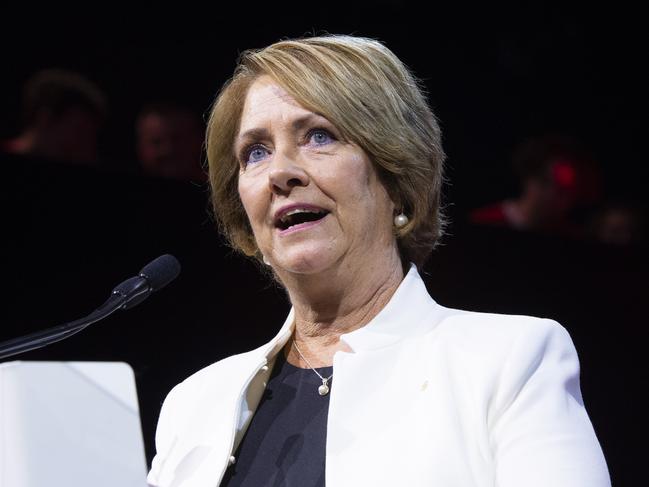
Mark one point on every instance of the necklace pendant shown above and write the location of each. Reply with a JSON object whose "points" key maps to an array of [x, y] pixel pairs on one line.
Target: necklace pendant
{"points": [[323, 390]]}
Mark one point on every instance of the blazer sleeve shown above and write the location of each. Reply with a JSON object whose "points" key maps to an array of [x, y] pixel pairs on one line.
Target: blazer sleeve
{"points": [[170, 414], [541, 435]]}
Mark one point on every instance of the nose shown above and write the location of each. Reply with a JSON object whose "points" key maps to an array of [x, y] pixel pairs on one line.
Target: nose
{"points": [[286, 174]]}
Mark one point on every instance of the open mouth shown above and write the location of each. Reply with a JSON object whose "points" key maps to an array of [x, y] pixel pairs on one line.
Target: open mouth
{"points": [[298, 216]]}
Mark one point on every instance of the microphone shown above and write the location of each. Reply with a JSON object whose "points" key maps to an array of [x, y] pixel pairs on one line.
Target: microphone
{"points": [[153, 276], [129, 293]]}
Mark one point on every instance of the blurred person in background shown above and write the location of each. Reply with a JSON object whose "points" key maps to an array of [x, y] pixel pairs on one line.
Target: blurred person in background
{"points": [[618, 223], [558, 181], [169, 139], [62, 113]]}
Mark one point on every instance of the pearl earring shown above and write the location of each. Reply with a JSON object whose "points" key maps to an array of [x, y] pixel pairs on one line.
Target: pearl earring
{"points": [[266, 261], [401, 220]]}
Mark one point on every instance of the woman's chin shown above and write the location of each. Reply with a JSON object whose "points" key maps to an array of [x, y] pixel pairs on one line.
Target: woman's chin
{"points": [[304, 261]]}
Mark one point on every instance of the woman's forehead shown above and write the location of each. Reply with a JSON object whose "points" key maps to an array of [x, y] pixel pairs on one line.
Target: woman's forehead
{"points": [[265, 91], [267, 102]]}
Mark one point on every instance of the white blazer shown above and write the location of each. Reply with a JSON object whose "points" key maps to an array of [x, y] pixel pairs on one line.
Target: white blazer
{"points": [[430, 396]]}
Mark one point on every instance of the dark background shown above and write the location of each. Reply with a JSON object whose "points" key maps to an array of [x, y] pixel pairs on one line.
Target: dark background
{"points": [[494, 76]]}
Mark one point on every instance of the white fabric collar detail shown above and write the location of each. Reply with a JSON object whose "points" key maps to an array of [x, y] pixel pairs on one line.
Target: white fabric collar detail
{"points": [[410, 309]]}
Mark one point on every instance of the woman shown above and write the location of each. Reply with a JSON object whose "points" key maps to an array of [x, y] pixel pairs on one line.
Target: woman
{"points": [[326, 166]]}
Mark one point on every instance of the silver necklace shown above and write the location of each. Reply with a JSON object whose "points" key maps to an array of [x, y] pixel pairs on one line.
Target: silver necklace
{"points": [[323, 390]]}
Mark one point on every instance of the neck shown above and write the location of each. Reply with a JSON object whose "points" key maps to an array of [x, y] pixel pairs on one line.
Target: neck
{"points": [[336, 302]]}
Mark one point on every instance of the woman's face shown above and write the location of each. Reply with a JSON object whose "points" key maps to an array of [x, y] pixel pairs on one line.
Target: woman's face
{"points": [[314, 202]]}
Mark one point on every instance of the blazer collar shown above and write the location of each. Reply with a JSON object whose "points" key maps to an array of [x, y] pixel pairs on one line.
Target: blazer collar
{"points": [[411, 310]]}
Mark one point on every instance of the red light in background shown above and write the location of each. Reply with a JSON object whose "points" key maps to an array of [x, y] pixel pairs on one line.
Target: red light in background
{"points": [[564, 173]]}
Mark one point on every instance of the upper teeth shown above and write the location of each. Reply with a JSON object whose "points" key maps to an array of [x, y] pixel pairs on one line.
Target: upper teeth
{"points": [[295, 211]]}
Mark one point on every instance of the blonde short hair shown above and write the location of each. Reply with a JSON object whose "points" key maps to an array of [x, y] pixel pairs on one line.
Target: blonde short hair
{"points": [[361, 87]]}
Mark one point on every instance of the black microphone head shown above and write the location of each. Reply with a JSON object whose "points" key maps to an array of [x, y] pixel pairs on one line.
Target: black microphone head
{"points": [[161, 271]]}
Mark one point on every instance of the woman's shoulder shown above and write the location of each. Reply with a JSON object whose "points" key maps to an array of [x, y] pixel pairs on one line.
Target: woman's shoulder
{"points": [[489, 349], [494, 328], [229, 367], [219, 381], [478, 328], [492, 341]]}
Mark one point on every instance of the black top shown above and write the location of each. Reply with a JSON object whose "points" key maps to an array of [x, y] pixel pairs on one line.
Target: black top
{"points": [[286, 439]]}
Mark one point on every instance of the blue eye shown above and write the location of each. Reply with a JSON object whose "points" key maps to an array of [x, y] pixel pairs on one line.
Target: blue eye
{"points": [[254, 154], [320, 137]]}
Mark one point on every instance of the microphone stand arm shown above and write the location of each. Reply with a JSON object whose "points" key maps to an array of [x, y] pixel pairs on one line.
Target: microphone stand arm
{"points": [[120, 298]]}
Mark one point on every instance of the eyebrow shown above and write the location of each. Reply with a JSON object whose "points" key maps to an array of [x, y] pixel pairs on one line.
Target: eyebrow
{"points": [[262, 133]]}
